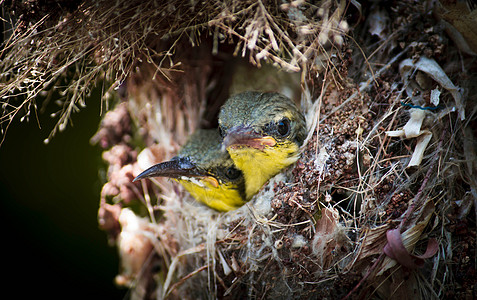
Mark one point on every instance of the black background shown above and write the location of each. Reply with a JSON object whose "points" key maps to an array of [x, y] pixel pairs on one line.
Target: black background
{"points": [[52, 245]]}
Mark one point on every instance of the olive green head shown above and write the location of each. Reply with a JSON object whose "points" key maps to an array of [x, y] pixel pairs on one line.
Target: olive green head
{"points": [[204, 150], [263, 114]]}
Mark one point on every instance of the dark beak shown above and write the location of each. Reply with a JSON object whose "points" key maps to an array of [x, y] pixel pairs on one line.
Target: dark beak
{"points": [[246, 136], [175, 168]]}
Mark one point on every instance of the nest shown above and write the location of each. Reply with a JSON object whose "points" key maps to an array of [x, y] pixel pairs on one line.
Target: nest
{"points": [[380, 203]]}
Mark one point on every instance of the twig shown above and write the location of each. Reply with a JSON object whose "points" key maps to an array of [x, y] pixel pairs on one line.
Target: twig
{"points": [[183, 279], [373, 267], [417, 198]]}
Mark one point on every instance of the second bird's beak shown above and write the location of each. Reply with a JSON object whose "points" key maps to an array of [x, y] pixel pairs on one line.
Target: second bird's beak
{"points": [[246, 136], [179, 168], [175, 168]]}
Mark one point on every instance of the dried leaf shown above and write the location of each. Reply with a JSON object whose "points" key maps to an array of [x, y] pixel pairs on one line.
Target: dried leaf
{"points": [[373, 242], [409, 238], [458, 38], [460, 23], [395, 249], [328, 236], [413, 126], [413, 129], [433, 70], [421, 145]]}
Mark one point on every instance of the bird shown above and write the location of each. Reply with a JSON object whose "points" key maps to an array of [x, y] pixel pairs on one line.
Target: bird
{"points": [[263, 133], [205, 171]]}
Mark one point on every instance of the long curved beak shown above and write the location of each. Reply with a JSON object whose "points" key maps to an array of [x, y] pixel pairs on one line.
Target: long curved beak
{"points": [[174, 168], [246, 136]]}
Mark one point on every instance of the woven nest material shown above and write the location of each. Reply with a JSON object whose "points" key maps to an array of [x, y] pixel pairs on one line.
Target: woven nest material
{"points": [[382, 202]]}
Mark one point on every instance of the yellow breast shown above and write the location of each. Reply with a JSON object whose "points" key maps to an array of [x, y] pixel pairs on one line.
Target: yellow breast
{"points": [[221, 197], [258, 166]]}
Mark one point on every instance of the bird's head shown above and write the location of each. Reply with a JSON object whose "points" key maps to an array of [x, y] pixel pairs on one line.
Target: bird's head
{"points": [[205, 171], [263, 133], [259, 120]]}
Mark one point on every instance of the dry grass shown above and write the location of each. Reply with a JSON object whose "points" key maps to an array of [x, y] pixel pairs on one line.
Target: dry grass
{"points": [[104, 41]]}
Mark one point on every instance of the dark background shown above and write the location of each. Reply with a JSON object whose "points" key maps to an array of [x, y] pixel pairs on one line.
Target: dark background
{"points": [[50, 197]]}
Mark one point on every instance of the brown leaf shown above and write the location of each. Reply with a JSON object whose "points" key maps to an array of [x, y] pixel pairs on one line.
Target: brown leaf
{"points": [[395, 249]]}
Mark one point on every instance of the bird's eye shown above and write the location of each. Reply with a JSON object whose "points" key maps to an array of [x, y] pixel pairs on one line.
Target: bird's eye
{"points": [[283, 127], [232, 173]]}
